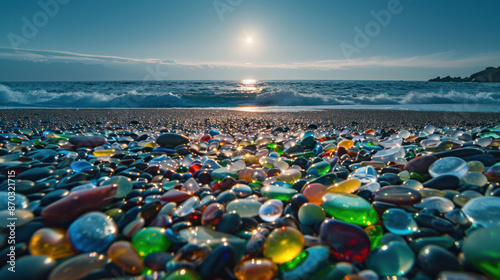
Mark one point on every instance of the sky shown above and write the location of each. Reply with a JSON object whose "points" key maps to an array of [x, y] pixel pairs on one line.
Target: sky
{"points": [[53, 40]]}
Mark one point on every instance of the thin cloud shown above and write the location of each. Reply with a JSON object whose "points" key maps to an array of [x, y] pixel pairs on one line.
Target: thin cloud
{"points": [[449, 59]]}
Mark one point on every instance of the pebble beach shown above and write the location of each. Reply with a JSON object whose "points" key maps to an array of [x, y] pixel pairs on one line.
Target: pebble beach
{"points": [[245, 194]]}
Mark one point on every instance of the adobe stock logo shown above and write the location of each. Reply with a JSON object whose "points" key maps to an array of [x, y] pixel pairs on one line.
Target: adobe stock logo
{"points": [[30, 27], [372, 29]]}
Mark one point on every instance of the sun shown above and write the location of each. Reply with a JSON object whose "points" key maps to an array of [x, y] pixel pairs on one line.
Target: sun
{"points": [[249, 40]]}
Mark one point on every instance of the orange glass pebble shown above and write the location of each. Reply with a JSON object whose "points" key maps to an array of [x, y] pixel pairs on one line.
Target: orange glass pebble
{"points": [[370, 131], [314, 193], [262, 269], [51, 242], [245, 175], [124, 255]]}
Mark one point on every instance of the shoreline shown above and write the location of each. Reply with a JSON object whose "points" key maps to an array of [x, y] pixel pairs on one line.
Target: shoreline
{"points": [[232, 120]]}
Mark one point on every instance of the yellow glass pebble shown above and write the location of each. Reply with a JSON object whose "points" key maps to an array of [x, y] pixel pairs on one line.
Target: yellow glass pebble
{"points": [[103, 153], [283, 244], [347, 144], [347, 186]]}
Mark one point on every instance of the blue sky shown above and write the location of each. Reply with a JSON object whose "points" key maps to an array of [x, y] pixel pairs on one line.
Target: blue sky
{"points": [[292, 39]]}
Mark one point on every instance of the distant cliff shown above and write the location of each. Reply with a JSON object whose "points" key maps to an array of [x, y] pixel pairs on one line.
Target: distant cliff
{"points": [[488, 75]]}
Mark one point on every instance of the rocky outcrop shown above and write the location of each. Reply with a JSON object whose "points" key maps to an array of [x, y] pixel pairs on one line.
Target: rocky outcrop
{"points": [[488, 75]]}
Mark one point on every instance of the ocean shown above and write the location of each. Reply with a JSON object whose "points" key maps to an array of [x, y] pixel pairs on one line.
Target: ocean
{"points": [[279, 95]]}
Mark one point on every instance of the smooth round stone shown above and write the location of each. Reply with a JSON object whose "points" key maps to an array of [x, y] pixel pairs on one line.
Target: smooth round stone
{"points": [[397, 195], [276, 192], [395, 258], [87, 200], [29, 268], [349, 208], [51, 242], [187, 207], [221, 173], [399, 221], [443, 242], [443, 182], [216, 261], [441, 204], [481, 248], [35, 173], [271, 210], [241, 190], [290, 175], [347, 186], [314, 192], [283, 244], [346, 242], [434, 259], [262, 269], [244, 207], [310, 213], [80, 165], [420, 165], [212, 214], [150, 240], [174, 195], [92, 232], [78, 267], [124, 255], [475, 166], [462, 198], [19, 200], [88, 141], [19, 216], [53, 196], [413, 184], [124, 185], [475, 179], [493, 174], [483, 211], [172, 139], [306, 264], [449, 166]]}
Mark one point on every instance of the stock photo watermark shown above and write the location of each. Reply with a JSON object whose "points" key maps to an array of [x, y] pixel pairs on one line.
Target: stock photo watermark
{"points": [[223, 6], [31, 26], [373, 28], [11, 220]]}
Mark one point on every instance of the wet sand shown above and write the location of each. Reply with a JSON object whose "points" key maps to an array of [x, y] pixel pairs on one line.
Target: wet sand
{"points": [[232, 120]]}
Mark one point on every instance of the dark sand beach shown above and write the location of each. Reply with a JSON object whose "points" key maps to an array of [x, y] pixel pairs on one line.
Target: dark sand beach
{"points": [[234, 120]]}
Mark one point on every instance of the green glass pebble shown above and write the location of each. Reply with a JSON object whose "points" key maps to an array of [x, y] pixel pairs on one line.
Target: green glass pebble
{"points": [[349, 208], [221, 173], [444, 242], [124, 185], [320, 168], [306, 263], [150, 240], [275, 192], [310, 213], [375, 233], [244, 207], [395, 258], [475, 179], [482, 249]]}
